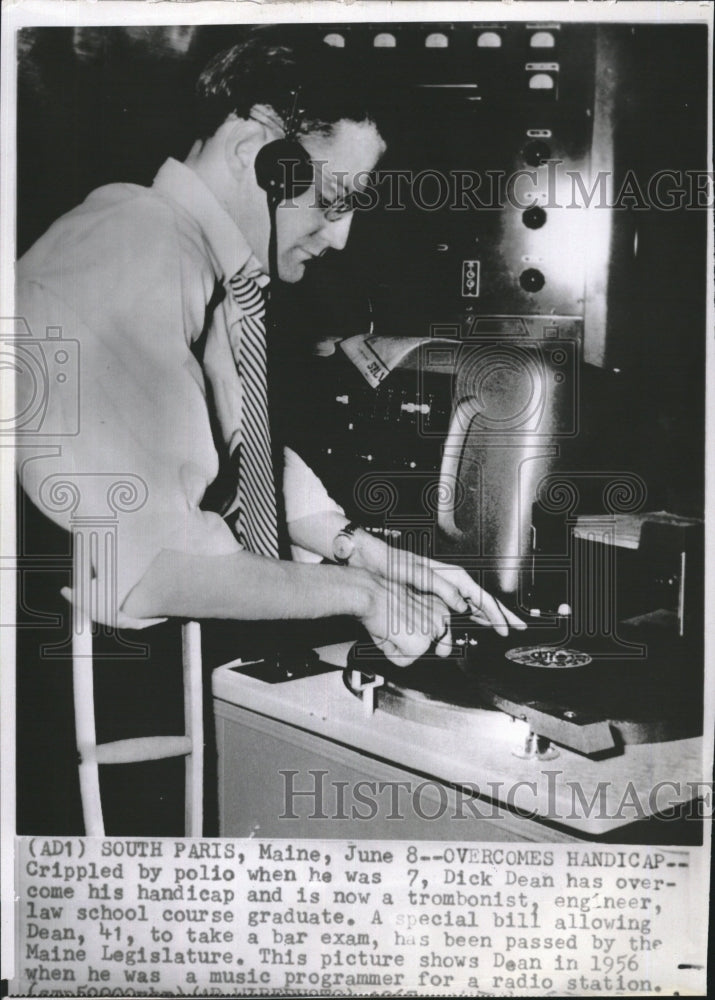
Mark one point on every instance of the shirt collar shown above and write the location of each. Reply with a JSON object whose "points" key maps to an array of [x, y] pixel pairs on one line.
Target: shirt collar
{"points": [[227, 243]]}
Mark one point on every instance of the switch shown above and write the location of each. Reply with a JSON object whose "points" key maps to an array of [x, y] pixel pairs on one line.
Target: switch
{"points": [[470, 279]]}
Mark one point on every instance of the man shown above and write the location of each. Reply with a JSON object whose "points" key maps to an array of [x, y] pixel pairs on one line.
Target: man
{"points": [[141, 277]]}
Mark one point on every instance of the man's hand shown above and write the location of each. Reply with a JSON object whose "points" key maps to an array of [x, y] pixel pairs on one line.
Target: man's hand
{"points": [[452, 584], [484, 609], [405, 623]]}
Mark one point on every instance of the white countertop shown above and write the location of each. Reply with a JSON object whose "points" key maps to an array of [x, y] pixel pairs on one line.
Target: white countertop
{"points": [[479, 750]]}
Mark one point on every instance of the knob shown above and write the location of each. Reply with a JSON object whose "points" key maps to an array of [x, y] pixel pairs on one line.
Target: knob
{"points": [[537, 152], [534, 217], [532, 280]]}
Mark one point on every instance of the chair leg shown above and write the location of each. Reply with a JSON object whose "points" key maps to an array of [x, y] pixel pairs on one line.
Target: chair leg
{"points": [[194, 725], [85, 726], [83, 693]]}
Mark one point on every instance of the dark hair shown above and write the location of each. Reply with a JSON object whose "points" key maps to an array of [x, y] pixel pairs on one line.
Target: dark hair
{"points": [[268, 67]]}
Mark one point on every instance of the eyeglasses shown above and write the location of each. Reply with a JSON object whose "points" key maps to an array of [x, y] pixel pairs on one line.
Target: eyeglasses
{"points": [[334, 210]]}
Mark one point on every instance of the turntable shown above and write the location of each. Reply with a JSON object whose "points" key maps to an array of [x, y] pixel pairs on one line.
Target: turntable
{"points": [[593, 695], [544, 735]]}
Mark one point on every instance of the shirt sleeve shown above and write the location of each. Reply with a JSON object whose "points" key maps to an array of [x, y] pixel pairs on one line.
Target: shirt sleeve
{"points": [[304, 495], [129, 450], [304, 492]]}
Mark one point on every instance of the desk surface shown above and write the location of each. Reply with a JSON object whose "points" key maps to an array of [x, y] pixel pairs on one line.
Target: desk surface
{"points": [[479, 752]]}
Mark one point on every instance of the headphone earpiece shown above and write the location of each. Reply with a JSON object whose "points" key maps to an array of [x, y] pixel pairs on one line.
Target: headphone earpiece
{"points": [[283, 170]]}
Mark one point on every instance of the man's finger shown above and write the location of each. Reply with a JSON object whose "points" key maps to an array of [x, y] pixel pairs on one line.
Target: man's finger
{"points": [[393, 653], [400, 659], [487, 609], [483, 607], [501, 619], [405, 650], [440, 616], [513, 620], [448, 592], [443, 645]]}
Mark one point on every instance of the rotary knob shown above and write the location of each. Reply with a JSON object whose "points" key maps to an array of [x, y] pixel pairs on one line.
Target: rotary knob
{"points": [[534, 217], [537, 152], [532, 280]]}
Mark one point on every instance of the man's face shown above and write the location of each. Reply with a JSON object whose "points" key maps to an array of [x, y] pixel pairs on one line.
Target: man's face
{"points": [[303, 232]]}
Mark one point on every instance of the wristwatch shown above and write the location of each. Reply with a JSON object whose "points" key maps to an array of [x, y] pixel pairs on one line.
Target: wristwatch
{"points": [[344, 544]]}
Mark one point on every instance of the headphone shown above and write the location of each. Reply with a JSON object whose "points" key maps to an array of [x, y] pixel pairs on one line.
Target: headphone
{"points": [[283, 168]]}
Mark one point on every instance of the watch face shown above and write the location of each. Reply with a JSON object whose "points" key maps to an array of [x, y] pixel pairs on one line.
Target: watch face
{"points": [[343, 547]]}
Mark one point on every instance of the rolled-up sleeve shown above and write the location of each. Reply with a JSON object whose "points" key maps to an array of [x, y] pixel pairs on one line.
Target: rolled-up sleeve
{"points": [[305, 496], [304, 492], [132, 449]]}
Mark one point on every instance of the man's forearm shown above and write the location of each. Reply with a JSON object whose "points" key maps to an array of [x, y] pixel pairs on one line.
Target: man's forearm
{"points": [[246, 587], [316, 532]]}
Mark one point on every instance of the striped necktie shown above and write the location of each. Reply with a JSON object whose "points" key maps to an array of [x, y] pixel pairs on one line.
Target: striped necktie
{"points": [[257, 520]]}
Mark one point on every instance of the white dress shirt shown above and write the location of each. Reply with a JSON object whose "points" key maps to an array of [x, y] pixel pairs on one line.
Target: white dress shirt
{"points": [[128, 274]]}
